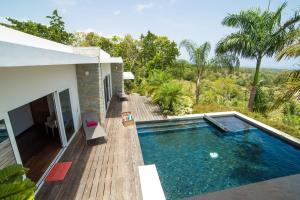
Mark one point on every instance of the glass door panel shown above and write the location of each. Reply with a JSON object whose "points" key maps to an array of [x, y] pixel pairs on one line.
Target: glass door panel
{"points": [[66, 109]]}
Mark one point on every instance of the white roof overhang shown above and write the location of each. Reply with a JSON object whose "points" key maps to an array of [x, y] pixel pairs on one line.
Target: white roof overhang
{"points": [[128, 76], [15, 55], [111, 60]]}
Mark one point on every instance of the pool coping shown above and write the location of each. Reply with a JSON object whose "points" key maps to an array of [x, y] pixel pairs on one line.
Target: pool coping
{"points": [[270, 130], [273, 131]]}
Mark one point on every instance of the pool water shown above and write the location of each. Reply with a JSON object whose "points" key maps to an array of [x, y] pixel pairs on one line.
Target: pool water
{"points": [[193, 157]]}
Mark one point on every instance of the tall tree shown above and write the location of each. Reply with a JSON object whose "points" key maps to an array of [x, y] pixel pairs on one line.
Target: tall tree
{"points": [[260, 34], [127, 48], [55, 31], [157, 52], [92, 39], [199, 57]]}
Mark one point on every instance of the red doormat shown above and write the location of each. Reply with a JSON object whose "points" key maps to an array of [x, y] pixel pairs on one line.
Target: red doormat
{"points": [[58, 172]]}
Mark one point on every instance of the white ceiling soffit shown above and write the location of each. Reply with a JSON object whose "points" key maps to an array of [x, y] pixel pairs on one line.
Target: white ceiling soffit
{"points": [[14, 55], [111, 60], [128, 76]]}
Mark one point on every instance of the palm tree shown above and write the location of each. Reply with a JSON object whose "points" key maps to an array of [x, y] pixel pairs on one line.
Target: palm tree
{"points": [[169, 96], [227, 60], [14, 186], [260, 34], [198, 56], [292, 88]]}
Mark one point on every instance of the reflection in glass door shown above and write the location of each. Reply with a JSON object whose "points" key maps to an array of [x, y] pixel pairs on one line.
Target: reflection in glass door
{"points": [[107, 90], [66, 109], [6, 152]]}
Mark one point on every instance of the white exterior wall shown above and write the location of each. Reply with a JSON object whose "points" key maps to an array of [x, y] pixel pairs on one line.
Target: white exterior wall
{"points": [[19, 86], [105, 70]]}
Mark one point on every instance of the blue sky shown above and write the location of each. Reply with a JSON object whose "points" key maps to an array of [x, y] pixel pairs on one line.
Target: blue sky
{"points": [[177, 19]]}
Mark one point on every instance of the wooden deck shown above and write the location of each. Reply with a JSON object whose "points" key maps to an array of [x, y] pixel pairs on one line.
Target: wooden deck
{"points": [[110, 170]]}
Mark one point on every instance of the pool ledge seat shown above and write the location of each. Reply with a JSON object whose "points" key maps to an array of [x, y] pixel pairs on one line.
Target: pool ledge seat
{"points": [[150, 183]]}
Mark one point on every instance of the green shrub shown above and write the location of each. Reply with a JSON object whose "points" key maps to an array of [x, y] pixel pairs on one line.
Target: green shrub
{"points": [[13, 186], [155, 80], [262, 102], [171, 99]]}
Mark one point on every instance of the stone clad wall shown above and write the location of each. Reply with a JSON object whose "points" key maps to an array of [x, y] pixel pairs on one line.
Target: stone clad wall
{"points": [[89, 89], [117, 78]]}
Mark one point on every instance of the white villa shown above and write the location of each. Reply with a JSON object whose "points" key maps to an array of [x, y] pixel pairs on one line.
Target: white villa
{"points": [[45, 87]]}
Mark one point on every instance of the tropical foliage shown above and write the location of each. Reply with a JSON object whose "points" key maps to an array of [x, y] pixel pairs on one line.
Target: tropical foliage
{"points": [[55, 31], [260, 34], [198, 57], [13, 186]]}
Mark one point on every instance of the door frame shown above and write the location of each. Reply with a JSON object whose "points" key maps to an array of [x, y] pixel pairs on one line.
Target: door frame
{"points": [[11, 137], [63, 138], [60, 119]]}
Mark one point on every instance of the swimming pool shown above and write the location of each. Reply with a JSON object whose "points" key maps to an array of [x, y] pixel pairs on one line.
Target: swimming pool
{"points": [[193, 157]]}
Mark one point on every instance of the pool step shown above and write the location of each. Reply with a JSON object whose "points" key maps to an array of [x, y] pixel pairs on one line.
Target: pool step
{"points": [[172, 128], [170, 125], [216, 123]]}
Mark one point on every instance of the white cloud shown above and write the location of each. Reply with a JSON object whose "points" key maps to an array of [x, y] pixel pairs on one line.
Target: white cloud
{"points": [[117, 12], [141, 7]]}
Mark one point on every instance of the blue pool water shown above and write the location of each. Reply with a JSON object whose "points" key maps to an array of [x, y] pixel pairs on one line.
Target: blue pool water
{"points": [[193, 157]]}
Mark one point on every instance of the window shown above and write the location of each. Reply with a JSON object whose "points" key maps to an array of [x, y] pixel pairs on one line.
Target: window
{"points": [[66, 109]]}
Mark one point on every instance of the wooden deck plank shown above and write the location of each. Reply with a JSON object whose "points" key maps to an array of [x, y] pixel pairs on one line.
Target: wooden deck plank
{"points": [[109, 170]]}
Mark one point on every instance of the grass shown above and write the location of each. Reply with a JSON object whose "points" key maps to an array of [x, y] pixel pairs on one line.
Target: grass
{"points": [[275, 121]]}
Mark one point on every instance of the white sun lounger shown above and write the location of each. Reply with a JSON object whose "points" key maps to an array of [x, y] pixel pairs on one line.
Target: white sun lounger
{"points": [[93, 132]]}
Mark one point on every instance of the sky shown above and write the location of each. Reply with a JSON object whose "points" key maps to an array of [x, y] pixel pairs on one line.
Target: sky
{"points": [[196, 20]]}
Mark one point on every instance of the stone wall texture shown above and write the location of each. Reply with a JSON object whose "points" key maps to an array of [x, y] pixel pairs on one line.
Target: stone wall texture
{"points": [[89, 88], [117, 78]]}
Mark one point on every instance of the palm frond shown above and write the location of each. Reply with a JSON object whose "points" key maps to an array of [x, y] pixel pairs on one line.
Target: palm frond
{"points": [[291, 89], [244, 20], [294, 75], [292, 48], [237, 43], [190, 47], [204, 51], [12, 173], [278, 13], [289, 24]]}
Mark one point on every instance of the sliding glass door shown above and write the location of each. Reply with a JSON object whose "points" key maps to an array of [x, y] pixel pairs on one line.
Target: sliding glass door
{"points": [[107, 90], [66, 109]]}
